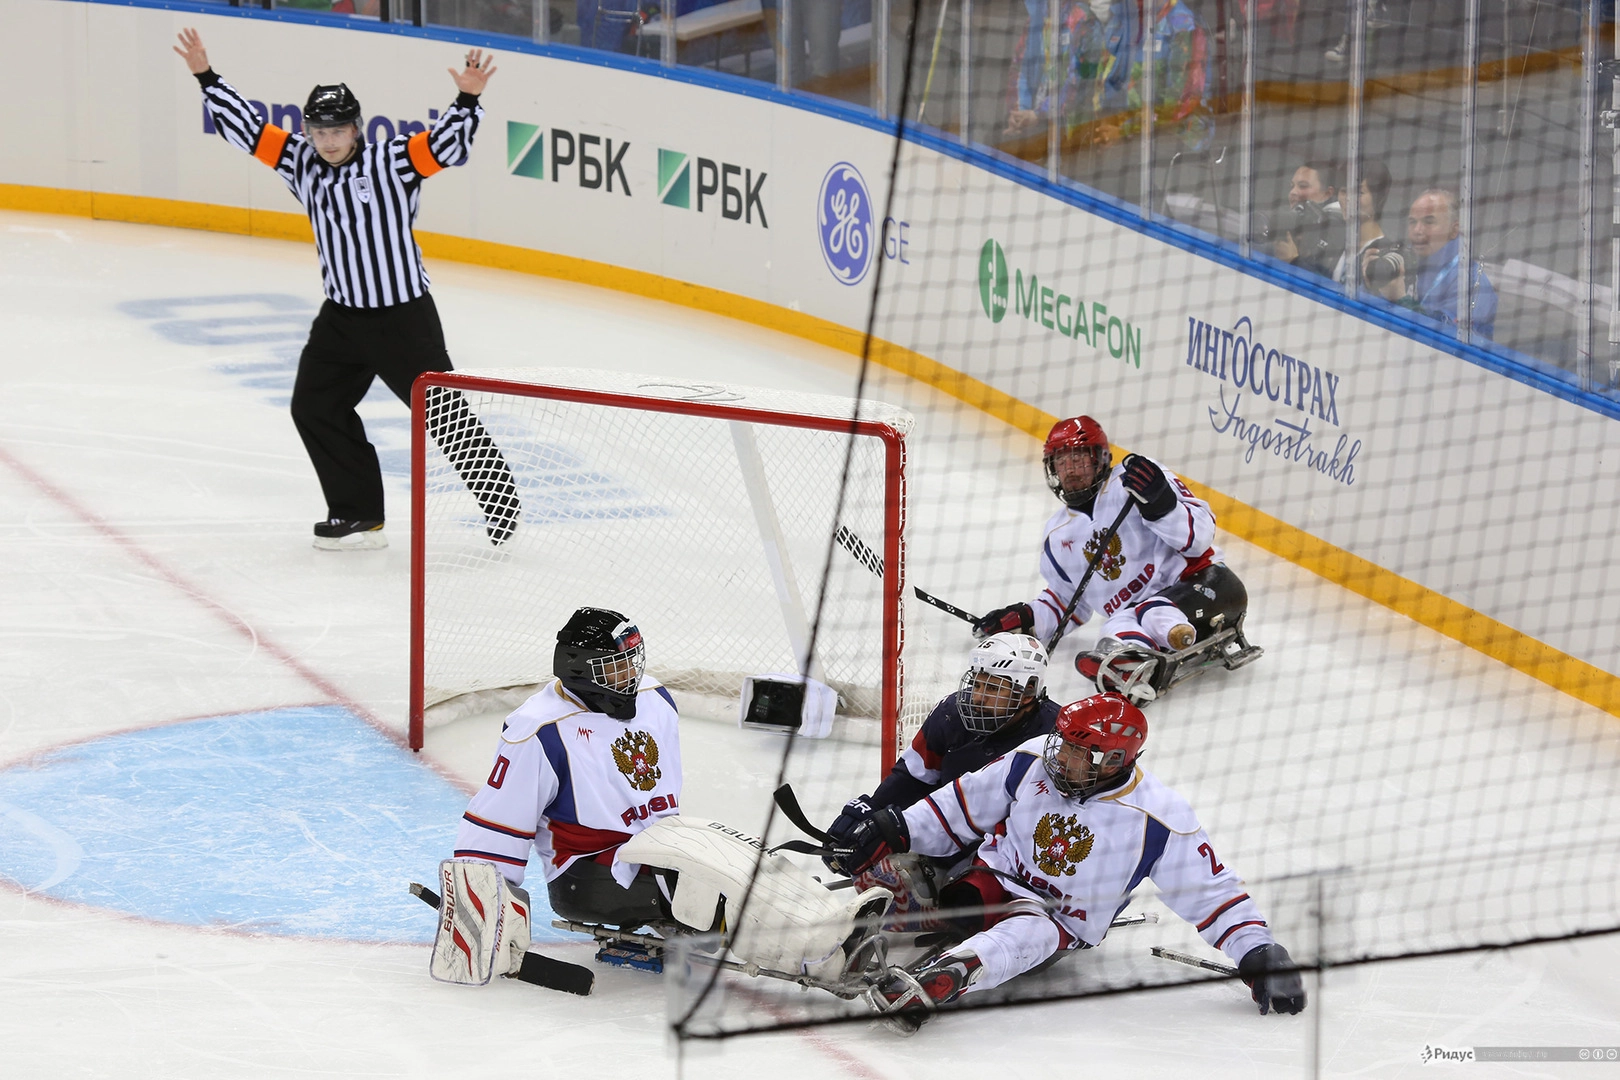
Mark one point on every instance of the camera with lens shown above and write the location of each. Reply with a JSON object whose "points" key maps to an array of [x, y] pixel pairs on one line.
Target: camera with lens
{"points": [[1390, 259], [1317, 229]]}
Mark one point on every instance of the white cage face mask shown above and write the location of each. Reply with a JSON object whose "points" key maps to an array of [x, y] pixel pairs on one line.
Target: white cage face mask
{"points": [[621, 672], [986, 701]]}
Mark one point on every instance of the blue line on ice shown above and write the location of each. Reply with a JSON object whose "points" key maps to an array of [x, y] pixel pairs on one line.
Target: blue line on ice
{"points": [[298, 821]]}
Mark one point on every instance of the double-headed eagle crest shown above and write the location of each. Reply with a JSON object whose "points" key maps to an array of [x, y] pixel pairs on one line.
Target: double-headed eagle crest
{"points": [[1060, 843], [1113, 560], [636, 755]]}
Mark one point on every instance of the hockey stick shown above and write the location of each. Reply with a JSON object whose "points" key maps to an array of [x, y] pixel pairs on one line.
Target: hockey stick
{"points": [[874, 562], [1192, 961], [791, 809], [1096, 561], [538, 970]]}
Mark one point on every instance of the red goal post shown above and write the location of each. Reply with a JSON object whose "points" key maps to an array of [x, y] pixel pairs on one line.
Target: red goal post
{"points": [[704, 511]]}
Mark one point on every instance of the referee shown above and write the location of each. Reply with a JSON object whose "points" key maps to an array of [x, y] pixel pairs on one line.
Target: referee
{"points": [[378, 319]]}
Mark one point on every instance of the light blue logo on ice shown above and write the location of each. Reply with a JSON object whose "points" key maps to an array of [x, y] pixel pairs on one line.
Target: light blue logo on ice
{"points": [[844, 215]]}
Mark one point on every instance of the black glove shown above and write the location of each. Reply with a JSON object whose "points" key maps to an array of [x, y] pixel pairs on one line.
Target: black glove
{"points": [[842, 830], [1012, 619], [1147, 482], [1264, 969], [884, 832]]}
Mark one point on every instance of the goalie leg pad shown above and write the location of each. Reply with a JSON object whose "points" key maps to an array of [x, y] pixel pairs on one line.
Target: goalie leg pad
{"points": [[483, 924]]}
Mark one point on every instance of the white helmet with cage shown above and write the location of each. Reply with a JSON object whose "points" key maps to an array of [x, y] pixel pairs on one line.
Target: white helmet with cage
{"points": [[1005, 673]]}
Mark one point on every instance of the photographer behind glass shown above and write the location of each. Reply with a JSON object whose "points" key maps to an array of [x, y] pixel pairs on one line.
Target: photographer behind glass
{"points": [[1422, 274], [1375, 185], [1309, 232]]}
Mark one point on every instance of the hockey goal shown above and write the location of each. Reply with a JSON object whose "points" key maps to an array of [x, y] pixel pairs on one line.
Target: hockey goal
{"points": [[706, 513]]}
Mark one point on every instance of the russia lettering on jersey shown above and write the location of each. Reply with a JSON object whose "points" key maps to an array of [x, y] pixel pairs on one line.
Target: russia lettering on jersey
{"points": [[569, 783]]}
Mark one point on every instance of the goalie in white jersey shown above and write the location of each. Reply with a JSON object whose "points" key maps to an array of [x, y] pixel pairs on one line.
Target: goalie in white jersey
{"points": [[1160, 582], [582, 766], [1070, 826]]}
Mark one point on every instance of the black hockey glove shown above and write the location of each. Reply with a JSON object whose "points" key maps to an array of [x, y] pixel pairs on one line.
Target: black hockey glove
{"points": [[1012, 619], [1269, 972], [882, 833], [1147, 482], [842, 830]]}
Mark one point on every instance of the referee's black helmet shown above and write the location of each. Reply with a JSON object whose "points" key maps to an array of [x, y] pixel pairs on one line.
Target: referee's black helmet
{"points": [[332, 106]]}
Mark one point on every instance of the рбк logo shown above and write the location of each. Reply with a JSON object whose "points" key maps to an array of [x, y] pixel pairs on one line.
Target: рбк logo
{"points": [[844, 216]]}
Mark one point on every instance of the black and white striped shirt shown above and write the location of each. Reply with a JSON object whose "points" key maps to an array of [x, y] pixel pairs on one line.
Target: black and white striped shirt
{"points": [[362, 211]]}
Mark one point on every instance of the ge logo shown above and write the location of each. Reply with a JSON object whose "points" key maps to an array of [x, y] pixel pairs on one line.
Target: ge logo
{"points": [[844, 216]]}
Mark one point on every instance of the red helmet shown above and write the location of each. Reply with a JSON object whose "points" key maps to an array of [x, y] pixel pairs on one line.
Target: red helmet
{"points": [[1077, 433], [1094, 743]]}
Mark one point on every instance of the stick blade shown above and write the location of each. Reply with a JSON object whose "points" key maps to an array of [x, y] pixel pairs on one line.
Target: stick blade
{"points": [[556, 974]]}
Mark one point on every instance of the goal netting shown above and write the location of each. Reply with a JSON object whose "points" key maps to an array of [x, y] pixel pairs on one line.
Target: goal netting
{"points": [[704, 512]]}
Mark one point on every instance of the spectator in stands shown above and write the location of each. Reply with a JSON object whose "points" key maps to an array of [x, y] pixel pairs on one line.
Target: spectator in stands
{"points": [[1311, 230], [1375, 185], [1429, 284]]}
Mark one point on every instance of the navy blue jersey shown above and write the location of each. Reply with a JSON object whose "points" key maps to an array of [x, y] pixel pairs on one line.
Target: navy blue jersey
{"points": [[945, 749]]}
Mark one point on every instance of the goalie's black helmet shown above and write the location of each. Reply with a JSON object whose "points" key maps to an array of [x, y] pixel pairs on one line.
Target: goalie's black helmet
{"points": [[599, 660], [331, 106]]}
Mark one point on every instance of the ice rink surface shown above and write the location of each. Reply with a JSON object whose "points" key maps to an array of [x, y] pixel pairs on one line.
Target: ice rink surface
{"points": [[208, 818]]}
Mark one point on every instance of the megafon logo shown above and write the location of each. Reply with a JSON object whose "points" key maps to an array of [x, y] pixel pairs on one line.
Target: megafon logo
{"points": [[1064, 314], [844, 216], [993, 280]]}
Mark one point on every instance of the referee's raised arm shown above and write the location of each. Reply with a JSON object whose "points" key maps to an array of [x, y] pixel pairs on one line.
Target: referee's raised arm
{"points": [[379, 319]]}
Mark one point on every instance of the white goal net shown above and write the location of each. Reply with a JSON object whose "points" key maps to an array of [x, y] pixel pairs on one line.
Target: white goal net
{"points": [[704, 512]]}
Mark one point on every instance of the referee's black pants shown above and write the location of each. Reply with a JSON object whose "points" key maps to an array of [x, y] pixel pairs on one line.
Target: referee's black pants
{"points": [[347, 348]]}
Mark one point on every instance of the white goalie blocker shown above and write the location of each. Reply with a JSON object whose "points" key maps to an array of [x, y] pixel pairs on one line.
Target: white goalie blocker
{"points": [[792, 922], [483, 924]]}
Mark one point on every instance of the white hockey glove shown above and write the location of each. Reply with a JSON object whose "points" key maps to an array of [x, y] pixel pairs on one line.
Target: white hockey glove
{"points": [[483, 924]]}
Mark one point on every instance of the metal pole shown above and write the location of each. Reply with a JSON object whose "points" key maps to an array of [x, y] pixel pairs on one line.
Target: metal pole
{"points": [[1585, 361], [668, 45], [880, 64], [540, 30], [1614, 244], [1054, 90], [1149, 49], [785, 45], [1246, 135], [1465, 188], [1507, 37], [1350, 196], [964, 76]]}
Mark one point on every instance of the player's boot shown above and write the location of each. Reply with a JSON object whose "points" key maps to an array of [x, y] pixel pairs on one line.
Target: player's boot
{"points": [[1089, 662], [907, 997], [337, 534]]}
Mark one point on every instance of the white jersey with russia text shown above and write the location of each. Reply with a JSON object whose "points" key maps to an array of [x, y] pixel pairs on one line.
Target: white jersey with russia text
{"points": [[1084, 858], [571, 783], [1143, 558]]}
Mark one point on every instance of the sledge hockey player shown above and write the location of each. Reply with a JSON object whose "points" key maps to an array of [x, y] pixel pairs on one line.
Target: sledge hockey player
{"points": [[1160, 583], [587, 775], [1000, 705], [582, 766], [1070, 825]]}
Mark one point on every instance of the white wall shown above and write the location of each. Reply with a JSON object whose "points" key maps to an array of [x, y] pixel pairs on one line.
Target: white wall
{"points": [[1484, 489]]}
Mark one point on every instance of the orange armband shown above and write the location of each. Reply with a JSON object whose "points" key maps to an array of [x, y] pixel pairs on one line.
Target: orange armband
{"points": [[272, 140], [422, 159]]}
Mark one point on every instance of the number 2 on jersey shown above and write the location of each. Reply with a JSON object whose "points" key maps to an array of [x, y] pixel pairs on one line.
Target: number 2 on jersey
{"points": [[1209, 853]]}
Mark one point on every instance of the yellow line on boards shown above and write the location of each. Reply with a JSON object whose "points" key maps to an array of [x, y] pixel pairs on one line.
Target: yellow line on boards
{"points": [[1420, 604]]}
